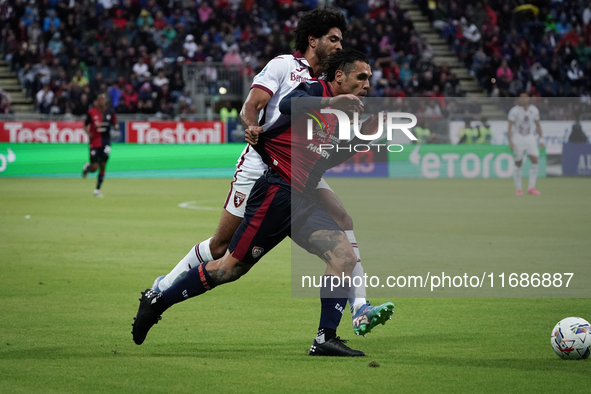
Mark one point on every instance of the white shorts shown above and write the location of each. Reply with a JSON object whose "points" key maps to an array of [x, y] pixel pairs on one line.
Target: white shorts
{"points": [[240, 188], [522, 146], [249, 168], [242, 185]]}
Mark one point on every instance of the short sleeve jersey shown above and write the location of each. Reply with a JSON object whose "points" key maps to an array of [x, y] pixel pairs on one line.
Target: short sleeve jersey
{"points": [[287, 150], [99, 126], [279, 77], [524, 120]]}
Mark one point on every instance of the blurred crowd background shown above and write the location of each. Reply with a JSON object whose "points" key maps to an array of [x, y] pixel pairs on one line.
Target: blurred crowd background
{"points": [[66, 52]]}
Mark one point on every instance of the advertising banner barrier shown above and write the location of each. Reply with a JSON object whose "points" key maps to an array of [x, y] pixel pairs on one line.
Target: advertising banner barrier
{"points": [[555, 132], [372, 163], [457, 161], [203, 132], [235, 131], [576, 159], [126, 160], [71, 132]]}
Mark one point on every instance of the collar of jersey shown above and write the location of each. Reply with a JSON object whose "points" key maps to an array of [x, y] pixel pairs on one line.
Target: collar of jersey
{"points": [[300, 58]]}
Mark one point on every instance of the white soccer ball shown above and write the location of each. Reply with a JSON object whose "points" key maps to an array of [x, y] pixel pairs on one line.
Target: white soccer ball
{"points": [[571, 338]]}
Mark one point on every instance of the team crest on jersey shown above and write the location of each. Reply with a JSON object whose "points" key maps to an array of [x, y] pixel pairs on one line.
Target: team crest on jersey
{"points": [[239, 199], [321, 129], [257, 252]]}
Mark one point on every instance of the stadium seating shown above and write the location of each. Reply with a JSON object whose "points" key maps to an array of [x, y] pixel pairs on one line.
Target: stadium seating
{"points": [[119, 47]]}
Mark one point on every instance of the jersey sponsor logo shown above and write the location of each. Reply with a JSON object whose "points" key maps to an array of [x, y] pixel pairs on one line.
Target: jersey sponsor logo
{"points": [[204, 132], [239, 199], [257, 252], [44, 132], [318, 150], [298, 78]]}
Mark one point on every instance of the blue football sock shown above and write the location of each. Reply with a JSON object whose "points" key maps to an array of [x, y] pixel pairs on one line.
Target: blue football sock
{"points": [[196, 282], [333, 302]]}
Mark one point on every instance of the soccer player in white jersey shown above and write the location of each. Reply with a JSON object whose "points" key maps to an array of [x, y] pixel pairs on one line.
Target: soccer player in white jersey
{"points": [[524, 123], [319, 33]]}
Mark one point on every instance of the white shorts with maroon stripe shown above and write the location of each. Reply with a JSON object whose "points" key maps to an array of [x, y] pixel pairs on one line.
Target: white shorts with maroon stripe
{"points": [[249, 168]]}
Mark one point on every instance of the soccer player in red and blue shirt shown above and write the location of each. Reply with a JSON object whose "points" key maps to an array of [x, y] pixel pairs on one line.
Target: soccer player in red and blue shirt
{"points": [[97, 125], [283, 203]]}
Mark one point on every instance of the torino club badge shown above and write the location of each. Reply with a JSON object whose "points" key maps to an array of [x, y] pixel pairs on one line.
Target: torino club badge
{"points": [[239, 199]]}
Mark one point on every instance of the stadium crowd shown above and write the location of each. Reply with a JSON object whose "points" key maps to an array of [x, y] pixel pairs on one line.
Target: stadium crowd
{"points": [[66, 52], [542, 47]]}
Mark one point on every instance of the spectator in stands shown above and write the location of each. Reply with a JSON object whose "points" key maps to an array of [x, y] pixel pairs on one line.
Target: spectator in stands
{"points": [[144, 20], [160, 79], [114, 94], [79, 79], [5, 102], [204, 12], [146, 99], [130, 100], [55, 108], [51, 23], [44, 99], [190, 47], [159, 21], [140, 68], [405, 74], [177, 85], [232, 58], [574, 73]]}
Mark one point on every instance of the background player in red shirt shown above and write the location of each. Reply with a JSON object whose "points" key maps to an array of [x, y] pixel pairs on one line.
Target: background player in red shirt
{"points": [[97, 125]]}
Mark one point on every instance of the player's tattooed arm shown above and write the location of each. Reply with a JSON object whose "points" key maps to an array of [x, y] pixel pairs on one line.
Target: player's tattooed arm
{"points": [[227, 272]]}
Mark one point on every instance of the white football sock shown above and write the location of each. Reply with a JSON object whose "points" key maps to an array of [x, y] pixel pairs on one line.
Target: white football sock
{"points": [[517, 178], [357, 294], [204, 251], [533, 176], [189, 261]]}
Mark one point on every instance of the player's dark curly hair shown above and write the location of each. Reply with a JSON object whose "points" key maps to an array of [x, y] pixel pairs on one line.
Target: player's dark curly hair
{"points": [[317, 23], [343, 60]]}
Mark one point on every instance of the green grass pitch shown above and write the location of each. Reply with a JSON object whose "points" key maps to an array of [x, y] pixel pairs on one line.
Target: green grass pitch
{"points": [[71, 275]]}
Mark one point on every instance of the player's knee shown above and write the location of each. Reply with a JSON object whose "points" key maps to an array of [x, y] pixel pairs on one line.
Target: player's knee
{"points": [[347, 264], [343, 219], [218, 247]]}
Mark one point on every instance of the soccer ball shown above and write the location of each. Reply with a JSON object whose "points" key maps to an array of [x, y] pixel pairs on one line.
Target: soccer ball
{"points": [[571, 338]]}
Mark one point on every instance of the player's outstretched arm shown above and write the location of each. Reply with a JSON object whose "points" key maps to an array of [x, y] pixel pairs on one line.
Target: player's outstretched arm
{"points": [[249, 114]]}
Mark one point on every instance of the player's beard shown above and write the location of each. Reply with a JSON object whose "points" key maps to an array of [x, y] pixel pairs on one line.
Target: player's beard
{"points": [[321, 53]]}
